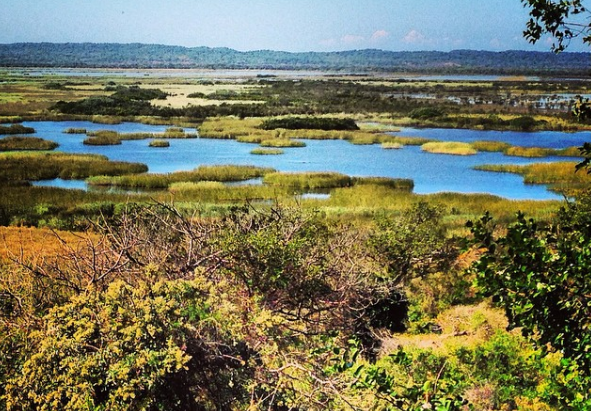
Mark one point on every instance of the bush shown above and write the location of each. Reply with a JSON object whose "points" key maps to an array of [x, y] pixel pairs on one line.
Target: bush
{"points": [[311, 123]]}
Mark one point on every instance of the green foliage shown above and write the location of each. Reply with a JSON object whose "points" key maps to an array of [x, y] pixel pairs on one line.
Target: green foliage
{"points": [[554, 18], [414, 244], [425, 113], [539, 275], [310, 123], [127, 348]]}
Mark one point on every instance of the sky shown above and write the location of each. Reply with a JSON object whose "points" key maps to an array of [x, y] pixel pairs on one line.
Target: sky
{"points": [[283, 25]]}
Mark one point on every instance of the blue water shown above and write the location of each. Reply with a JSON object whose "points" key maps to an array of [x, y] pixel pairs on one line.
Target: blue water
{"points": [[431, 173]]}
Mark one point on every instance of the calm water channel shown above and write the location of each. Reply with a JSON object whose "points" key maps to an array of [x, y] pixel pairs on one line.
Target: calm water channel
{"points": [[431, 172]]}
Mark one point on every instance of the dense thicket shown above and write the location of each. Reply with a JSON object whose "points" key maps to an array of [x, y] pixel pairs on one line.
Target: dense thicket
{"points": [[311, 123]]}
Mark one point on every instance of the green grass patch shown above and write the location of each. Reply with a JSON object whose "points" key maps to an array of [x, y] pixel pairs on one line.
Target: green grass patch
{"points": [[310, 123], [159, 143], [449, 147], [267, 151], [73, 130], [28, 166], [221, 173], [560, 176], [102, 140], [216, 192], [410, 141], [308, 180], [529, 152], [18, 143], [392, 146], [393, 183], [282, 143], [491, 146], [16, 129]]}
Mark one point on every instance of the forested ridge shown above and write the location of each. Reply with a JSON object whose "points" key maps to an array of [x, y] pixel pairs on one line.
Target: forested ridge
{"points": [[112, 55]]}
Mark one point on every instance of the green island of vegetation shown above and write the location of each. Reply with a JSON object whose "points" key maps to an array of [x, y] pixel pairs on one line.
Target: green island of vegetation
{"points": [[159, 143], [18, 143], [237, 287]]}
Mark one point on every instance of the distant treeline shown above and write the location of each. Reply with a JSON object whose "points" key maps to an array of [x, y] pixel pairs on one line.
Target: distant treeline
{"points": [[86, 55]]}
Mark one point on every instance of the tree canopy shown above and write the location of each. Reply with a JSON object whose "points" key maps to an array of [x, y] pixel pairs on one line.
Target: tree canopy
{"points": [[564, 20]]}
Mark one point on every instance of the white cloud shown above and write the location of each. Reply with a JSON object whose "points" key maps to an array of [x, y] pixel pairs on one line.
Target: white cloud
{"points": [[496, 43], [379, 35], [414, 37]]}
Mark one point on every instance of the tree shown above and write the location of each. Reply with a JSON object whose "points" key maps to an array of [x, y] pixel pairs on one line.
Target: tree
{"points": [[540, 276], [564, 20]]}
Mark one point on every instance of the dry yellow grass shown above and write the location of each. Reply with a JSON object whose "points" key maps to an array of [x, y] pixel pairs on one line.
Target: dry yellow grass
{"points": [[179, 92], [35, 244]]}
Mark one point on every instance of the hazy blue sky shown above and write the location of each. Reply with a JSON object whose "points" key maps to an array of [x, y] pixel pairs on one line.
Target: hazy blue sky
{"points": [[289, 25]]}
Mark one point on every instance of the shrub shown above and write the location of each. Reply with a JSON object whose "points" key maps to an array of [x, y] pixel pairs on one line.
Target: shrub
{"points": [[425, 113], [311, 123]]}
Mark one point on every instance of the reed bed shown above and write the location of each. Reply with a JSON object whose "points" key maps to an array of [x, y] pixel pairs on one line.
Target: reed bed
{"points": [[73, 130], [529, 152], [490, 146], [228, 127], [222, 173], [267, 151], [449, 147], [28, 166], [159, 143], [308, 180], [16, 129], [19, 143], [106, 119], [405, 184], [392, 146], [255, 137], [282, 143], [216, 192], [569, 152], [410, 141], [561, 176], [103, 140]]}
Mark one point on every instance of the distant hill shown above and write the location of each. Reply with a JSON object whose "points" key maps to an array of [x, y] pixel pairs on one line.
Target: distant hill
{"points": [[109, 55]]}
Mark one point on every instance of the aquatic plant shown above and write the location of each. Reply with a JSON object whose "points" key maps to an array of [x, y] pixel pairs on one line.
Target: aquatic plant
{"points": [[18, 143], [267, 151], [159, 143], [449, 147]]}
